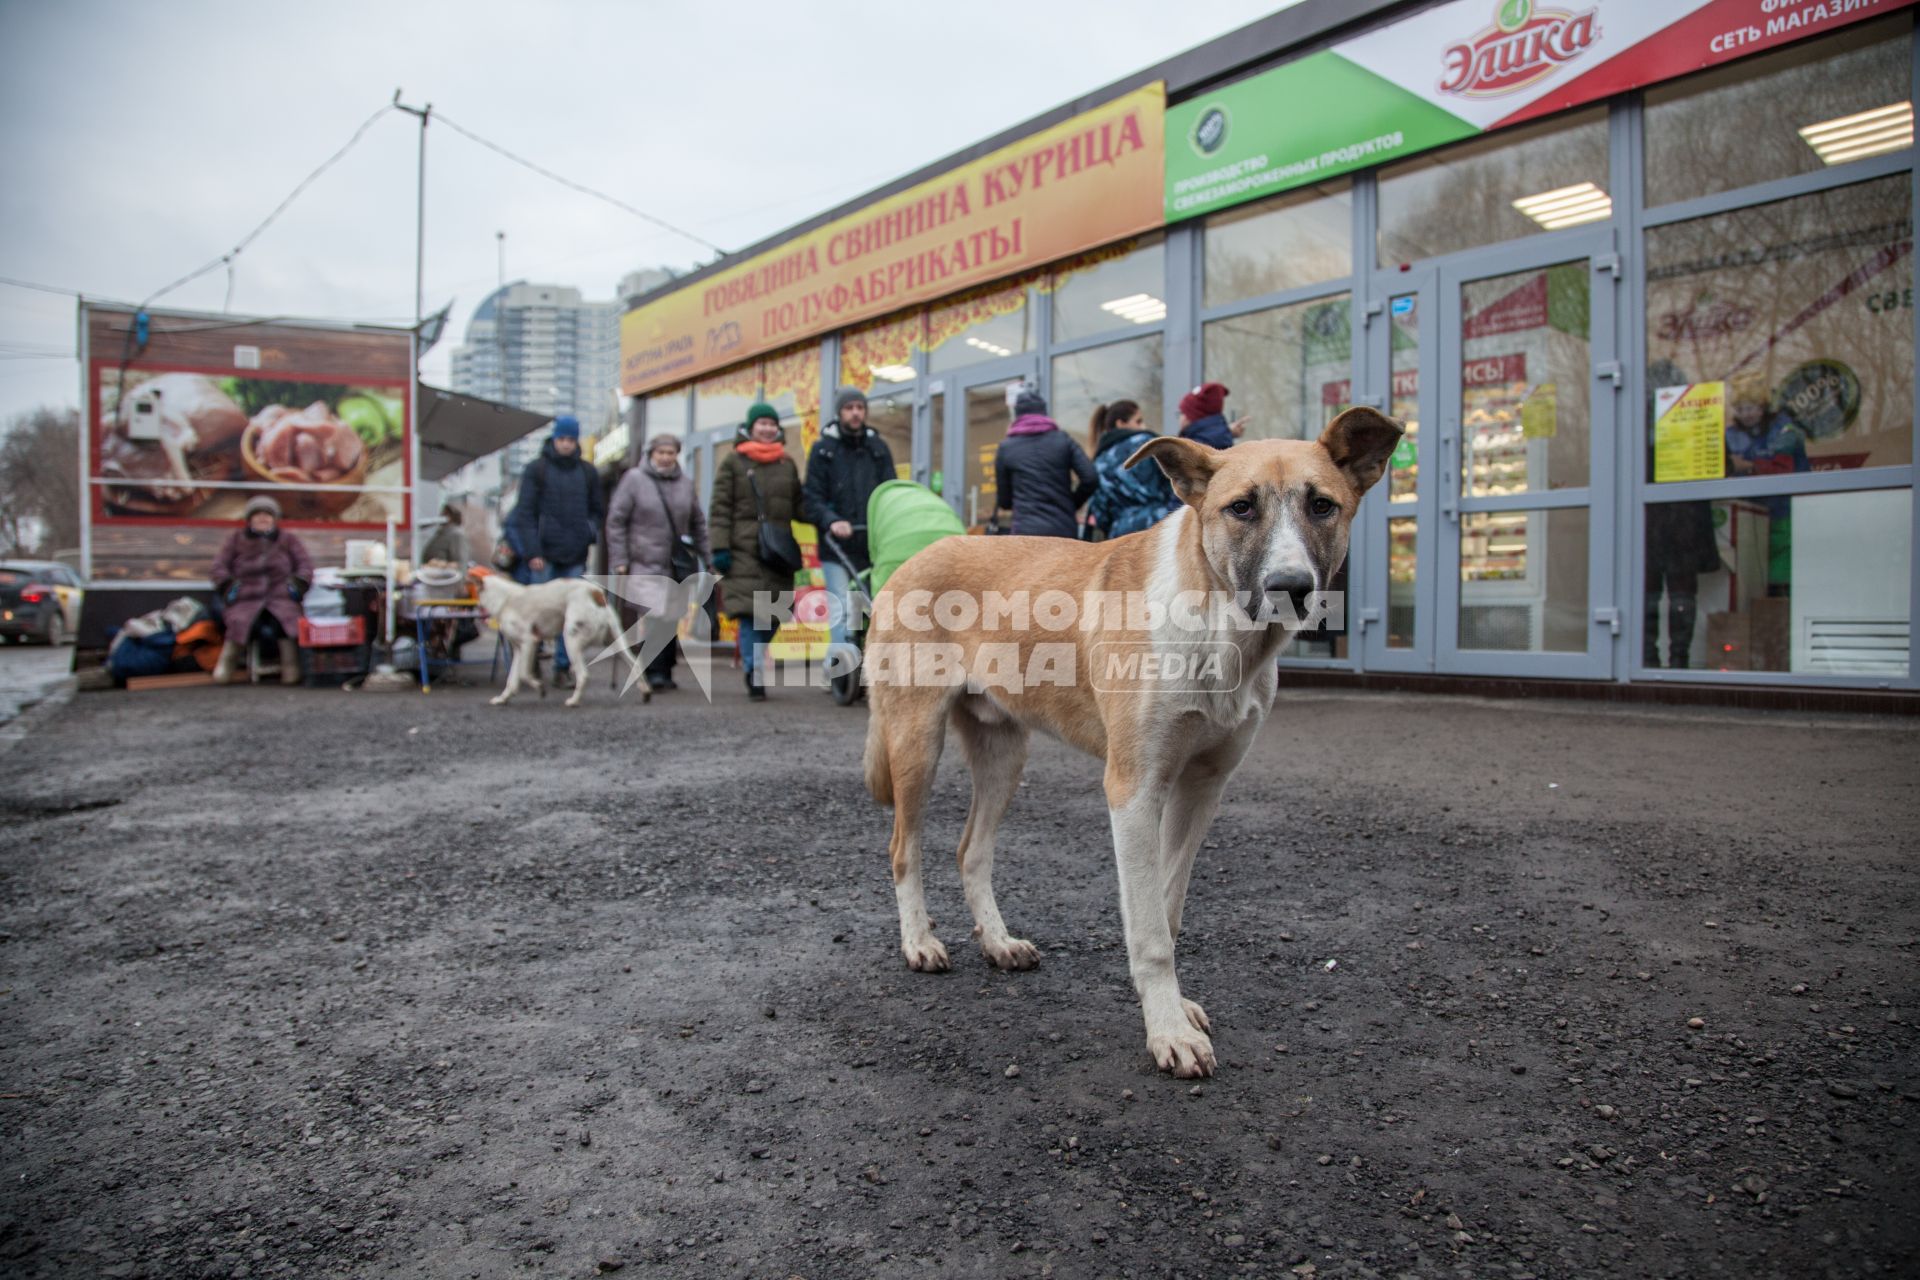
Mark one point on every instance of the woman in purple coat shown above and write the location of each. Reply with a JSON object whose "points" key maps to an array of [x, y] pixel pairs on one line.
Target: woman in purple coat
{"points": [[261, 568]]}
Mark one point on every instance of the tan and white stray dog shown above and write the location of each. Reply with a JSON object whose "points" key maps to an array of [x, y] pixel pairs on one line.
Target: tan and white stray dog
{"points": [[569, 608], [1265, 520]]}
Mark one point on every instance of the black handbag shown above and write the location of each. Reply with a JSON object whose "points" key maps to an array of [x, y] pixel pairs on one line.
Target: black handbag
{"points": [[778, 549], [682, 558]]}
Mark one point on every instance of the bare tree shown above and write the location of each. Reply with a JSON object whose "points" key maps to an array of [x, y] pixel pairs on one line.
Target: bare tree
{"points": [[40, 482]]}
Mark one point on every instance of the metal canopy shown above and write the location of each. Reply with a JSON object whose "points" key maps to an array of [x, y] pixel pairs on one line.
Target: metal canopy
{"points": [[455, 429]]}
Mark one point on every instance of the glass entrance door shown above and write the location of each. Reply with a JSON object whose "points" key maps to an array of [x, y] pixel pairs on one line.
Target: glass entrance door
{"points": [[977, 421], [1528, 393], [1491, 548], [1397, 608]]}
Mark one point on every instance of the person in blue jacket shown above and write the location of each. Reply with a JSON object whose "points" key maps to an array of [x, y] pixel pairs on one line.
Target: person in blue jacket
{"points": [[557, 518], [1129, 499], [1203, 417]]}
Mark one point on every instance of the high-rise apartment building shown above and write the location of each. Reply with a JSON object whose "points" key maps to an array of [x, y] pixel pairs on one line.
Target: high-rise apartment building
{"points": [[543, 348]]}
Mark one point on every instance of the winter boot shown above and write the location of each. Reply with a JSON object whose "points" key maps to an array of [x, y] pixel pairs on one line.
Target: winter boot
{"points": [[289, 662], [230, 653]]}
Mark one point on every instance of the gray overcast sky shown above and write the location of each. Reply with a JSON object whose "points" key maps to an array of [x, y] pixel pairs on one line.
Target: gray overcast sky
{"points": [[140, 140]]}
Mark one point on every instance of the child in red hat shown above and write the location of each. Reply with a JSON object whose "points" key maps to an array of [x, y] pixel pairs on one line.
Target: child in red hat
{"points": [[1203, 416]]}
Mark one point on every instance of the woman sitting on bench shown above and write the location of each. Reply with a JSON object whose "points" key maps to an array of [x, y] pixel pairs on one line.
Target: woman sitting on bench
{"points": [[260, 575]]}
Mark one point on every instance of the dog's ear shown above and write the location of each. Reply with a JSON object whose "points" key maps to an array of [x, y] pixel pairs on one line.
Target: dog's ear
{"points": [[1360, 441], [1188, 465]]}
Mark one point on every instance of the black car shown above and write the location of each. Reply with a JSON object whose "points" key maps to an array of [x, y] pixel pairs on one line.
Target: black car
{"points": [[38, 599]]}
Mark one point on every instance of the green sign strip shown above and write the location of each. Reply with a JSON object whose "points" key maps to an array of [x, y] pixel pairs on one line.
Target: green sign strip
{"points": [[1298, 124]]}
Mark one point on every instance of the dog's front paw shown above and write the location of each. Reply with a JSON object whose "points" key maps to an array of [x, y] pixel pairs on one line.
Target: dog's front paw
{"points": [[500, 701], [1010, 953], [1196, 1015], [1184, 1051], [928, 955]]}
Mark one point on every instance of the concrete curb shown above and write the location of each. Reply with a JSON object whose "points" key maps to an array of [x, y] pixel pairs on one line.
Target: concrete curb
{"points": [[37, 712]]}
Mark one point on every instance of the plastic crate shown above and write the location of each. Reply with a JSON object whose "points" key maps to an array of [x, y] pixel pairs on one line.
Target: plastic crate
{"points": [[332, 633], [335, 665]]}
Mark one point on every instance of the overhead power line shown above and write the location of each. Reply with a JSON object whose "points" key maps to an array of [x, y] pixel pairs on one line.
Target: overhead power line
{"points": [[615, 201], [41, 288], [228, 257]]}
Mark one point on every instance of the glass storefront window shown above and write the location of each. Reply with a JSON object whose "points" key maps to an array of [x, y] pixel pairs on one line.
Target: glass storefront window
{"points": [[1817, 584], [790, 382], [1792, 323], [1792, 111], [1109, 290], [878, 359], [1302, 238], [1288, 369], [1403, 471], [1119, 371], [1523, 580], [1517, 182], [987, 422], [937, 442], [1524, 379], [722, 400], [988, 324], [1403, 546], [666, 411]]}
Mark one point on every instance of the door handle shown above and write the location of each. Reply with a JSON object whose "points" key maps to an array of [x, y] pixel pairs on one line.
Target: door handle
{"points": [[1610, 369], [1611, 617], [1368, 615]]}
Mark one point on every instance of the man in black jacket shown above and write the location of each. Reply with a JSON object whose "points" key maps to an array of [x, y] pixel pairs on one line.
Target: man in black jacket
{"points": [[847, 464], [557, 518], [1041, 475]]}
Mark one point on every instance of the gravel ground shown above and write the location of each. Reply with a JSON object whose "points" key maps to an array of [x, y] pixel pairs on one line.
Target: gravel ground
{"points": [[308, 983]]}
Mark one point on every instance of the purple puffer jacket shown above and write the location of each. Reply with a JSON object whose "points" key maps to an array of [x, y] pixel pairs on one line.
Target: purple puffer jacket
{"points": [[261, 568]]}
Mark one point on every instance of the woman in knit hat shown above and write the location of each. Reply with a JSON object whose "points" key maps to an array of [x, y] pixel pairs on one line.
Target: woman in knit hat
{"points": [[655, 510], [1041, 475], [1203, 416], [755, 484], [260, 576]]}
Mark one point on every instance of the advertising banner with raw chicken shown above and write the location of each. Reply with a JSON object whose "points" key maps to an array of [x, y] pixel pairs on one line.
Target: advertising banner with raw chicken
{"points": [[191, 416]]}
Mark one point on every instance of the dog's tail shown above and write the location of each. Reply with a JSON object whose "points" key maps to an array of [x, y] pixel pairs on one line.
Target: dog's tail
{"points": [[879, 769], [619, 629]]}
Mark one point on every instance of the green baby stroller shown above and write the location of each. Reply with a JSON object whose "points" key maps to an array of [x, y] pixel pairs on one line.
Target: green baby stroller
{"points": [[902, 519]]}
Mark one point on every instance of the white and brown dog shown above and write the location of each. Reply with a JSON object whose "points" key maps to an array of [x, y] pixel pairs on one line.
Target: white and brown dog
{"points": [[566, 608], [1170, 697]]}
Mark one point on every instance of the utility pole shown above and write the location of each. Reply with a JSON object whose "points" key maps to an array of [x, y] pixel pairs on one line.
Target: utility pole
{"points": [[420, 212]]}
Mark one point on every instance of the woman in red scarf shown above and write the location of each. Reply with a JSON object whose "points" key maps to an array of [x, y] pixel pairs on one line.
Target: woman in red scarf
{"points": [[755, 483]]}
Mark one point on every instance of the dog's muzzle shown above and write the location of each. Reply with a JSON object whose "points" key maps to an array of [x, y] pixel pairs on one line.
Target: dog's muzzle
{"points": [[1292, 585]]}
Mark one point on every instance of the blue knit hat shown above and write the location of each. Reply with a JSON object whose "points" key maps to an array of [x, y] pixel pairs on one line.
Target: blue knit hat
{"points": [[566, 427]]}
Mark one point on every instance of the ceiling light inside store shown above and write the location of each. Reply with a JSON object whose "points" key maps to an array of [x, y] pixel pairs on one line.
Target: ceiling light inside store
{"points": [[1141, 308], [1866, 134], [991, 348], [893, 372], [1567, 206]]}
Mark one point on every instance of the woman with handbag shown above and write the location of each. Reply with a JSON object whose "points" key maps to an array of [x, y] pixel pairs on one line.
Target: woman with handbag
{"points": [[756, 494], [656, 530]]}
